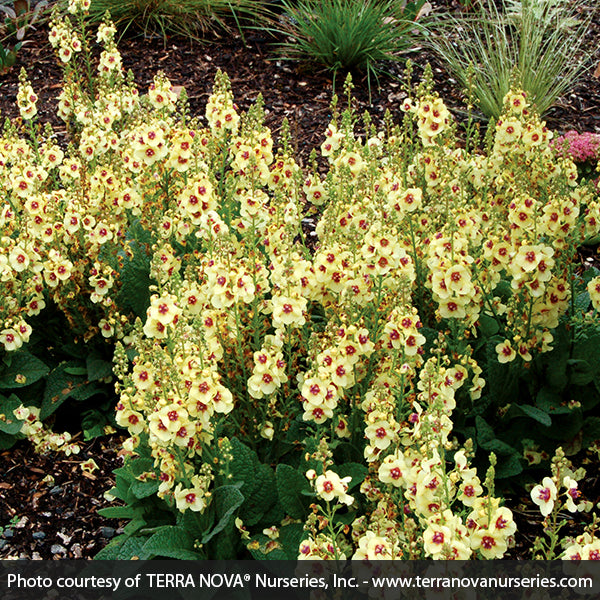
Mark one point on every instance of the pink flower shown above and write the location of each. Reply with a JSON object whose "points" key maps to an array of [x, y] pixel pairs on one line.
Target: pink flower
{"points": [[581, 147]]}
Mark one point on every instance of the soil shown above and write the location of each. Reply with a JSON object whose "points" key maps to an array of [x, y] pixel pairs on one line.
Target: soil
{"points": [[49, 503], [58, 518]]}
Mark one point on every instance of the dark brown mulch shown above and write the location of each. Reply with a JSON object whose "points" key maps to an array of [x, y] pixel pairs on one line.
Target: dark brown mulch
{"points": [[48, 504], [529, 520], [59, 519]]}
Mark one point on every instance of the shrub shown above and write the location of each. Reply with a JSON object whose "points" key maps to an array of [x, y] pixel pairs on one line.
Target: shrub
{"points": [[343, 34], [583, 148], [535, 44], [283, 402]]}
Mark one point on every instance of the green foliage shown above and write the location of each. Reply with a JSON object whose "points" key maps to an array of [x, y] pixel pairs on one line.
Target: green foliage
{"points": [[146, 513], [8, 56], [51, 371], [10, 426], [290, 486], [342, 34], [537, 45], [189, 18], [21, 369], [17, 20], [134, 271], [531, 409], [247, 494]]}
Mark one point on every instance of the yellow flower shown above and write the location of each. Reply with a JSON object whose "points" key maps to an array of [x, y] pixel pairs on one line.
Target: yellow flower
{"points": [[189, 499], [314, 391], [452, 308], [544, 495], [373, 547], [458, 280], [10, 339], [164, 309], [470, 489], [341, 373], [143, 376], [110, 60], [502, 521], [89, 466], [315, 191], [18, 259], [392, 470], [318, 414], [26, 100], [490, 542], [332, 142], [341, 429], [267, 431], [288, 310], [380, 434], [330, 486], [593, 288], [222, 399], [528, 257], [436, 540], [508, 131], [105, 33], [161, 94], [130, 419], [515, 102]]}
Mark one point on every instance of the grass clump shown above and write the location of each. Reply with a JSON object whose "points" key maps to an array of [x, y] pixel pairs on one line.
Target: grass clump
{"points": [[535, 44], [342, 34], [189, 18]]}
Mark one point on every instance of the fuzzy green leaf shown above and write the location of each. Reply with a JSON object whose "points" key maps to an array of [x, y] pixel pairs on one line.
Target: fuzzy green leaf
{"points": [[536, 414], [172, 542], [98, 368], [118, 512], [290, 485], [508, 466], [488, 326], [22, 363], [123, 548], [357, 471], [60, 385], [486, 438], [551, 402], [9, 424], [79, 371], [7, 441], [143, 489], [290, 537], [262, 498], [227, 499], [244, 466], [134, 294], [591, 431], [196, 523], [93, 423], [137, 466]]}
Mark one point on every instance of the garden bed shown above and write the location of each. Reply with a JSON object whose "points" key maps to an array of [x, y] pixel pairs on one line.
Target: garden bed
{"points": [[297, 91], [58, 517]]}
